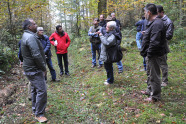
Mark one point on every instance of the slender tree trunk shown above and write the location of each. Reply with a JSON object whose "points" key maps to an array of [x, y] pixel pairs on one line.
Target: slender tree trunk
{"points": [[102, 7]]}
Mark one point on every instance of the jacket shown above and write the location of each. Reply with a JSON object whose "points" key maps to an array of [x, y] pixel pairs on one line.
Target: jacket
{"points": [[94, 38], [62, 40], [102, 23], [154, 39], [46, 45], [32, 52], [169, 31], [139, 25], [118, 24], [19, 53], [107, 41]]}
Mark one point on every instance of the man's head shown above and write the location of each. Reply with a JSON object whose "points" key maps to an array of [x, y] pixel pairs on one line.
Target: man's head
{"points": [[29, 24], [96, 21], [111, 26], [40, 31], [113, 16], [59, 29], [160, 10], [101, 17], [150, 11]]}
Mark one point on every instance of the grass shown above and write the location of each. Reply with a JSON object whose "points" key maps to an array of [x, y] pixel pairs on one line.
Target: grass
{"points": [[83, 98]]}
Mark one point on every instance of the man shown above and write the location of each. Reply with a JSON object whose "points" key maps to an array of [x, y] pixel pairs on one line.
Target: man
{"points": [[46, 46], [118, 24], [169, 34], [103, 31], [153, 46], [139, 25], [95, 42], [61, 41], [108, 40], [34, 66], [102, 21]]}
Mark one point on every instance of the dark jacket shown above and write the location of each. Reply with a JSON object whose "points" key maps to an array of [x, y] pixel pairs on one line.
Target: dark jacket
{"points": [[32, 52], [19, 53], [154, 39], [118, 24], [102, 23], [139, 25], [46, 45], [169, 27]]}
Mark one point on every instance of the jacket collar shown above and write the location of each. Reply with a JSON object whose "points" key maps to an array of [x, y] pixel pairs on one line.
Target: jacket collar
{"points": [[30, 32], [60, 34], [150, 22], [164, 18]]}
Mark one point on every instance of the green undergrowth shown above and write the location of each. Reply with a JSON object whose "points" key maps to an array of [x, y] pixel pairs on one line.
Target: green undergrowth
{"points": [[83, 98]]}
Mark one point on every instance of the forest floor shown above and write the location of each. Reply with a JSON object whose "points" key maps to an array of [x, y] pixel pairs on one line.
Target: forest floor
{"points": [[83, 98]]}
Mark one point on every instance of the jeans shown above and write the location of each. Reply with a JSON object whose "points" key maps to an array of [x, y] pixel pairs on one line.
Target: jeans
{"points": [[110, 74], [65, 59], [138, 39], [95, 48], [120, 66], [52, 71], [38, 92]]}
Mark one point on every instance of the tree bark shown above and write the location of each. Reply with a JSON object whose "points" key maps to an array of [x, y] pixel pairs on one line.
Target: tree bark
{"points": [[102, 7]]}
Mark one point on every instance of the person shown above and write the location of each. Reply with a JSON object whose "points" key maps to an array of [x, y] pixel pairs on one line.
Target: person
{"points": [[108, 40], [61, 41], [21, 65], [103, 31], [102, 21], [34, 67], [153, 47], [139, 26], [169, 34], [44, 39], [118, 24], [95, 42]]}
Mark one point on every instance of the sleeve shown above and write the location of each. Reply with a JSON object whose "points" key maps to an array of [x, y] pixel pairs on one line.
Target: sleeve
{"points": [[36, 54], [108, 41], [19, 53], [170, 31], [52, 39], [137, 23], [67, 40], [48, 45], [90, 32]]}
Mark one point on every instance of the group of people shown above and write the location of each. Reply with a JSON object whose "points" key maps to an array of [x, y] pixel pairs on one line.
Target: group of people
{"points": [[35, 52]]}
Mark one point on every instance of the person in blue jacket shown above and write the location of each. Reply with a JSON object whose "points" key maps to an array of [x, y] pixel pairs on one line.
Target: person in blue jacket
{"points": [[46, 46]]}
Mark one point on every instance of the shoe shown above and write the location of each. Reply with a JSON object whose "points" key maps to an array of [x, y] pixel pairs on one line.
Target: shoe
{"points": [[61, 73], [151, 99], [93, 66], [164, 84], [41, 119], [120, 71], [55, 80], [67, 74], [145, 93], [100, 66], [106, 83]]}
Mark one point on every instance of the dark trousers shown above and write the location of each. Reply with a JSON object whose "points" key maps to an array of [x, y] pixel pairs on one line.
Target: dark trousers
{"points": [[38, 92], [110, 74], [65, 60], [50, 66]]}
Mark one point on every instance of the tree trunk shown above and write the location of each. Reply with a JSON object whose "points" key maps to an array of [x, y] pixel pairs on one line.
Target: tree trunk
{"points": [[102, 7]]}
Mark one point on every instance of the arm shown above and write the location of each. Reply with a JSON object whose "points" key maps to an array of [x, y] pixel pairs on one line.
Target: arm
{"points": [[170, 31], [33, 46], [108, 41], [68, 41], [90, 32], [52, 39], [47, 48], [138, 23], [19, 53]]}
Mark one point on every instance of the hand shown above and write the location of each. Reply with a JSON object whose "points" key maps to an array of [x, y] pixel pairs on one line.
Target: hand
{"points": [[21, 64], [100, 34], [143, 32]]}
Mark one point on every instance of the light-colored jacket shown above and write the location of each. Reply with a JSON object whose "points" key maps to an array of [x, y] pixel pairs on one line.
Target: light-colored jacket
{"points": [[32, 52], [106, 42]]}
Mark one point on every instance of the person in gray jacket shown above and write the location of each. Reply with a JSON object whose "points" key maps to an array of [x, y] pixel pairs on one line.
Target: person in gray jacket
{"points": [[107, 41], [34, 65]]}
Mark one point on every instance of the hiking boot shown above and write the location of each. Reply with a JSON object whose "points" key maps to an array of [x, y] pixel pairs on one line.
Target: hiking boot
{"points": [[100, 66], [93, 66], [164, 84], [151, 99], [120, 71], [107, 83], [67, 74], [55, 80], [41, 119], [61, 73]]}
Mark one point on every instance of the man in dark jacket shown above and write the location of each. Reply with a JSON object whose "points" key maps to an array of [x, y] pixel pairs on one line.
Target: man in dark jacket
{"points": [[46, 46], [102, 21], [95, 42], [153, 46], [34, 67], [169, 34], [139, 25], [118, 24]]}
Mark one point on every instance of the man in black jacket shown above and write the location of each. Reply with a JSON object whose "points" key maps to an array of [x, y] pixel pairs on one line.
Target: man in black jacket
{"points": [[153, 46], [169, 34], [102, 21], [118, 24]]}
